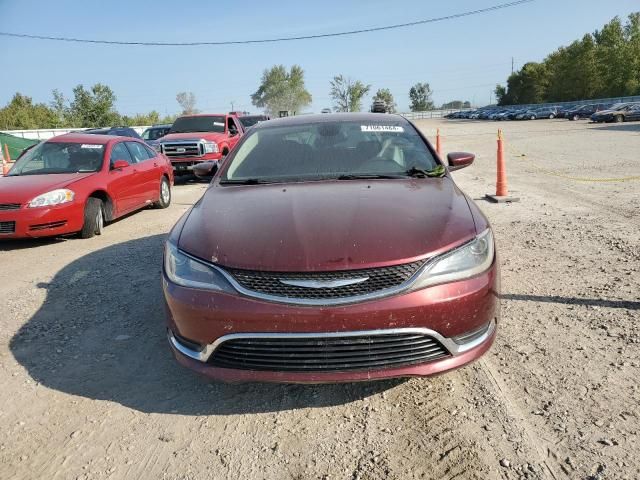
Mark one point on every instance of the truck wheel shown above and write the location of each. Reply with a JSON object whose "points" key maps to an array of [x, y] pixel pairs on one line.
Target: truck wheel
{"points": [[165, 194], [93, 218], [225, 152]]}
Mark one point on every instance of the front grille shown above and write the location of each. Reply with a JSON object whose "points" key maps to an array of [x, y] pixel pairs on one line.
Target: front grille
{"points": [[329, 353], [270, 283], [9, 206], [7, 228], [191, 149], [45, 226]]}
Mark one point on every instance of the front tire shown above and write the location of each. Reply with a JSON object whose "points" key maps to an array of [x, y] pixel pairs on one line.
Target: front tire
{"points": [[93, 218], [576, 117], [552, 116], [618, 119], [165, 194]]}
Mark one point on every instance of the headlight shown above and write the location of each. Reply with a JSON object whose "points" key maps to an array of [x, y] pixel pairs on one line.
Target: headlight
{"points": [[54, 197], [210, 147], [188, 272], [463, 262]]}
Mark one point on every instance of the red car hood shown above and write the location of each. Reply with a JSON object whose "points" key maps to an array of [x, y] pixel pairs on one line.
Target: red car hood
{"points": [[23, 188], [216, 137], [320, 226]]}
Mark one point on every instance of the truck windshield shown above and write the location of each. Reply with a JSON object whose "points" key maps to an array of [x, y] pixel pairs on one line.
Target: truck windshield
{"points": [[57, 157], [213, 123]]}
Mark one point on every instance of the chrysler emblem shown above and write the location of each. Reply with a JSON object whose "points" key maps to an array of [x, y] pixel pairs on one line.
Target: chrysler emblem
{"points": [[324, 283]]}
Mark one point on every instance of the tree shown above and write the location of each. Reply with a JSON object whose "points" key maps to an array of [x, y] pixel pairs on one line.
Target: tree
{"points": [[22, 114], [455, 104], [420, 96], [347, 94], [281, 90], [60, 108], [187, 101], [93, 108], [385, 95]]}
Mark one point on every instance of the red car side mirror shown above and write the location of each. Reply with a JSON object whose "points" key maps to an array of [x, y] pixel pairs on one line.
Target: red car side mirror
{"points": [[119, 164], [458, 160]]}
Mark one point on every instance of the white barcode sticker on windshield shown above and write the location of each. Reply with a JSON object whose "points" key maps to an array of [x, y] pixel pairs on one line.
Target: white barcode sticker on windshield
{"points": [[90, 145], [381, 128], [218, 124]]}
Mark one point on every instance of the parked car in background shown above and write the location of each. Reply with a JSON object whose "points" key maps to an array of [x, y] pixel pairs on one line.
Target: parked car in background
{"points": [[585, 111], [249, 121], [314, 275], [152, 134], [621, 112], [194, 139], [119, 131], [77, 182], [325, 110]]}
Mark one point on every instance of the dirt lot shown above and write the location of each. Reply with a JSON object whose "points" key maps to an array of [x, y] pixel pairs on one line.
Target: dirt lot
{"points": [[90, 390]]}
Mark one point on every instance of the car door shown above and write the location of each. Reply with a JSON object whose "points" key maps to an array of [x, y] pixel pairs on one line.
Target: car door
{"points": [[122, 182], [147, 188]]}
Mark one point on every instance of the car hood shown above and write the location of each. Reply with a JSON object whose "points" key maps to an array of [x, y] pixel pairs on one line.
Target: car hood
{"points": [[606, 112], [23, 188], [329, 225], [195, 136]]}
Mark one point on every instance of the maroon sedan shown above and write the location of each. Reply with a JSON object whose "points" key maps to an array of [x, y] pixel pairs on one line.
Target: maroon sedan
{"points": [[75, 183], [331, 248]]}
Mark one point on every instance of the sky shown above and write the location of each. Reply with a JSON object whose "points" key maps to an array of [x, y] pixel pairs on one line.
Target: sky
{"points": [[461, 59]]}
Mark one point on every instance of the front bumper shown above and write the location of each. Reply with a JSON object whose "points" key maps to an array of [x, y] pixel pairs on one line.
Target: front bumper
{"points": [[42, 221], [185, 165], [200, 321]]}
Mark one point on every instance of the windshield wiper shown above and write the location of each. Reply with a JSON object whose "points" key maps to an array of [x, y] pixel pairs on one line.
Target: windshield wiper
{"points": [[365, 176], [243, 181], [418, 172]]}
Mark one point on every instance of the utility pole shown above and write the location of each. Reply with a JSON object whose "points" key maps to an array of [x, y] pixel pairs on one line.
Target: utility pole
{"points": [[511, 65], [232, 107]]}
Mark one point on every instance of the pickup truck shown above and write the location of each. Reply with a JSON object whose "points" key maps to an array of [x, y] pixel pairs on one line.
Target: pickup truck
{"points": [[200, 138]]}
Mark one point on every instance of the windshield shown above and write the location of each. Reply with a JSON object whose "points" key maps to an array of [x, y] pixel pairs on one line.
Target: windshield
{"points": [[326, 150], [154, 133], [199, 124], [58, 157]]}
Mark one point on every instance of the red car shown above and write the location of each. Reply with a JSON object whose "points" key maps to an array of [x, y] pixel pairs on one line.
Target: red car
{"points": [[75, 183], [331, 248], [194, 139]]}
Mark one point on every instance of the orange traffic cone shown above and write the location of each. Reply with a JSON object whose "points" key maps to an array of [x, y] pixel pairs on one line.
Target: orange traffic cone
{"points": [[502, 193], [438, 142]]}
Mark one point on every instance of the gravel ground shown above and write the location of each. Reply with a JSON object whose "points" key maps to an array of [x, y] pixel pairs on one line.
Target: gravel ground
{"points": [[90, 390]]}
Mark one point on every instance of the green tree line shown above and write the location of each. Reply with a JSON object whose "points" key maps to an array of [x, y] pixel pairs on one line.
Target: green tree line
{"points": [[600, 65], [92, 107]]}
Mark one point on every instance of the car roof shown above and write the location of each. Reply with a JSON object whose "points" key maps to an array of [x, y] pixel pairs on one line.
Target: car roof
{"points": [[75, 137], [205, 115], [334, 118]]}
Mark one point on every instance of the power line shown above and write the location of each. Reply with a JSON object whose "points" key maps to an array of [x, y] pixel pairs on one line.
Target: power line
{"points": [[270, 40]]}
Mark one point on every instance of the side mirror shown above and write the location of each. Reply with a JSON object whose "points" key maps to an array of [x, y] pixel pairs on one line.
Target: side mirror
{"points": [[119, 165], [233, 132], [205, 169], [458, 160]]}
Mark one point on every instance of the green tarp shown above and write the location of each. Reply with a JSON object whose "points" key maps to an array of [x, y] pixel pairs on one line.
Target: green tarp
{"points": [[15, 144]]}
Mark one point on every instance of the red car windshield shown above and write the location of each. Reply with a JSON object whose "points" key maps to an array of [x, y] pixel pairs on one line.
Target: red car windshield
{"points": [[214, 123], [59, 157], [326, 150]]}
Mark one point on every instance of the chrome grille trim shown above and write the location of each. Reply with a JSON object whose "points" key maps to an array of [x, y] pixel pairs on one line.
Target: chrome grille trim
{"points": [[343, 286], [192, 148], [453, 348]]}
